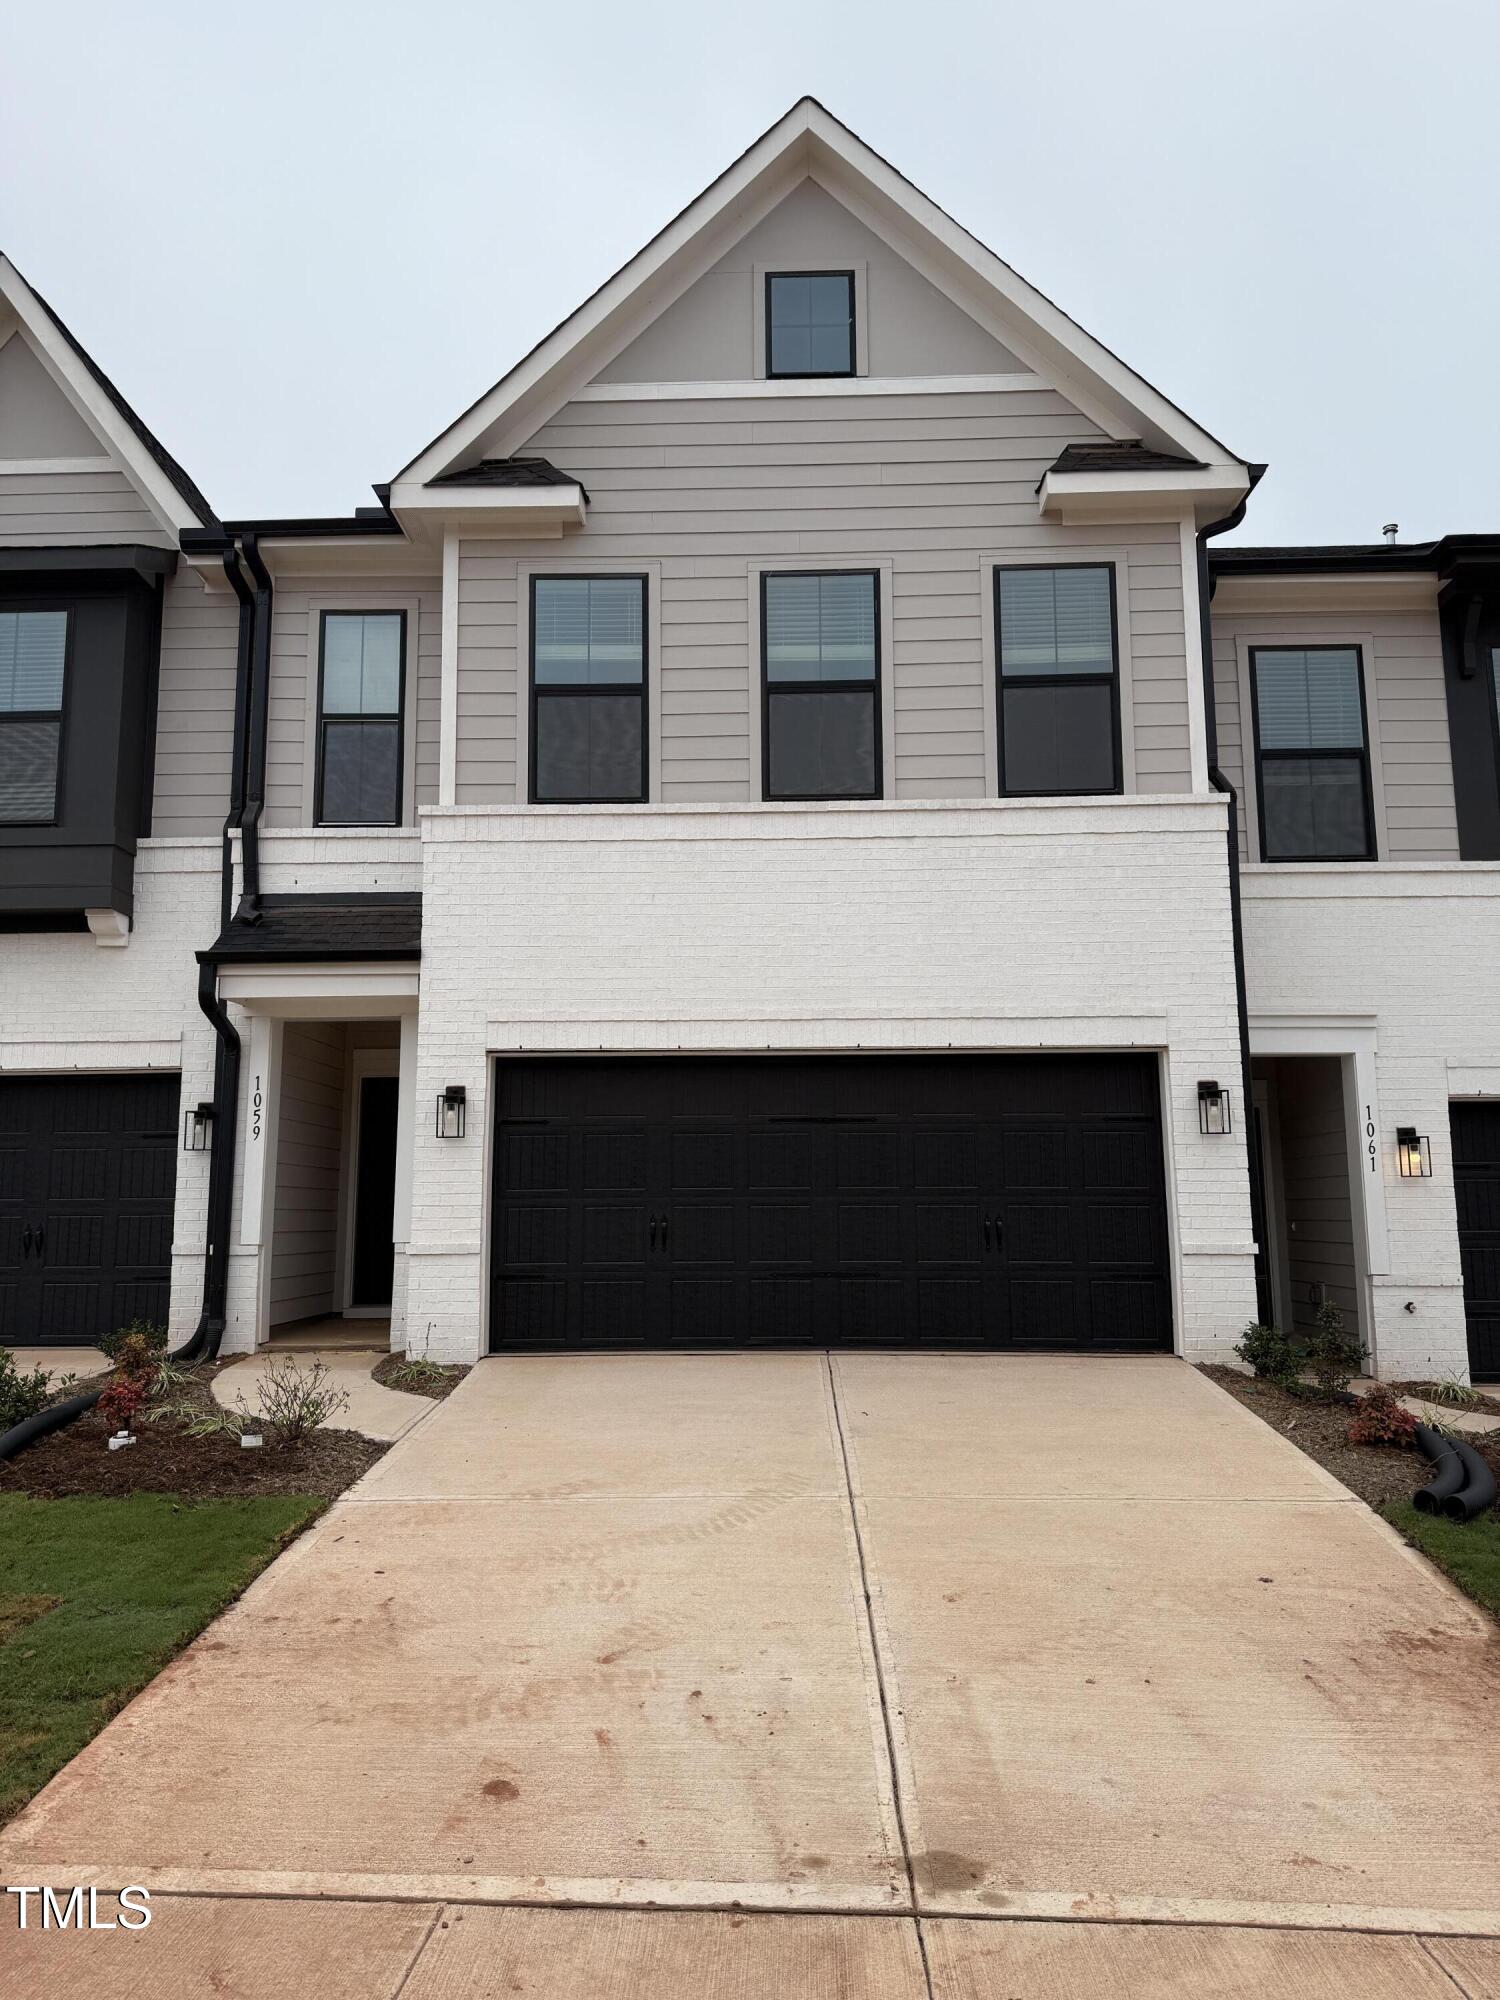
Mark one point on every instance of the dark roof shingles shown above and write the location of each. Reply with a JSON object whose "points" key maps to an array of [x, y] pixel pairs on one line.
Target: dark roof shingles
{"points": [[512, 472], [376, 926], [1129, 455]]}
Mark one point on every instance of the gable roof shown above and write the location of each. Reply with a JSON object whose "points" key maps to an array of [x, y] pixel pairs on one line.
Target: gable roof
{"points": [[165, 486], [1127, 455], [810, 142]]}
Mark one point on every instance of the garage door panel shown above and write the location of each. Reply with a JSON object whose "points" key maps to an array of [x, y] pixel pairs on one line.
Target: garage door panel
{"points": [[530, 1234], [1476, 1174], [1120, 1156], [533, 1162], [532, 1312], [1127, 1313], [1035, 1157], [804, 1202], [1120, 1235], [88, 1185], [781, 1312]]}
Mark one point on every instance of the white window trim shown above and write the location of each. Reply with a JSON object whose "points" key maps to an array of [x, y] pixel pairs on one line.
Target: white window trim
{"points": [[1295, 636], [526, 569], [884, 568], [759, 331], [362, 600], [1072, 557]]}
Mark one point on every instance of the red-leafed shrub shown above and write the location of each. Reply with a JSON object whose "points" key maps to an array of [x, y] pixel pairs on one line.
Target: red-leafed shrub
{"points": [[121, 1401], [1382, 1420]]}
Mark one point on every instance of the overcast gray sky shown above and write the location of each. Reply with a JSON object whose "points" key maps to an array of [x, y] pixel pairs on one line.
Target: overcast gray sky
{"points": [[301, 238]]}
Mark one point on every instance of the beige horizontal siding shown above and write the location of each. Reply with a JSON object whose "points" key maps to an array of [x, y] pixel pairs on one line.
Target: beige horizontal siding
{"points": [[304, 1252], [194, 708], [75, 510], [1405, 700], [929, 482], [294, 665]]}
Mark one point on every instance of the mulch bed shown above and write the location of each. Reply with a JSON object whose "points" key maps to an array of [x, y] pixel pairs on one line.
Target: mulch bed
{"points": [[1482, 1405], [435, 1381], [1376, 1473], [164, 1459]]}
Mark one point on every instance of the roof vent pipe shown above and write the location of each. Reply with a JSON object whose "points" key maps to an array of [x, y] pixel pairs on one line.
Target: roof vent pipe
{"points": [[1390, 531]]}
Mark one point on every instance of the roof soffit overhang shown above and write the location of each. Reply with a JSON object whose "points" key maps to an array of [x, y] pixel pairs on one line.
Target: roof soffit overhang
{"points": [[1207, 493], [810, 142]]}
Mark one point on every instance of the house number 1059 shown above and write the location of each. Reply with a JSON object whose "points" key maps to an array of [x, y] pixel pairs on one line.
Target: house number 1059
{"points": [[256, 1102]]}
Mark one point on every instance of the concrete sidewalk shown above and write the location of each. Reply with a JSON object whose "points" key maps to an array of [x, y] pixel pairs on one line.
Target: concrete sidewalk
{"points": [[763, 1655]]}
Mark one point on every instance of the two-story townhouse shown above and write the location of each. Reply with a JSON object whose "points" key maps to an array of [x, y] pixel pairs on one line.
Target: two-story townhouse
{"points": [[735, 848]]}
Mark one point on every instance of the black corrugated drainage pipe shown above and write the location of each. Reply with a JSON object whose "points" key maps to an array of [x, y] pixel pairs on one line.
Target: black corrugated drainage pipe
{"points": [[1478, 1491], [1449, 1471], [53, 1418]]}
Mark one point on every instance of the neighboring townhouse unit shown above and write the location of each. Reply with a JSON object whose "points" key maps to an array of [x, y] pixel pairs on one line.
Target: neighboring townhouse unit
{"points": [[781, 827]]}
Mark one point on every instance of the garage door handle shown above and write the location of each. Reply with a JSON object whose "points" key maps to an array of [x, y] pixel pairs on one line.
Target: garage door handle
{"points": [[26, 1241], [651, 1232], [999, 1232], [41, 1237], [987, 1232], [664, 1232]]}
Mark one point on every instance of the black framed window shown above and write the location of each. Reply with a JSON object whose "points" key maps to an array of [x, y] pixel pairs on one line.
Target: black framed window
{"points": [[810, 323], [33, 664], [588, 690], [361, 705], [1312, 753], [1059, 680], [820, 684]]}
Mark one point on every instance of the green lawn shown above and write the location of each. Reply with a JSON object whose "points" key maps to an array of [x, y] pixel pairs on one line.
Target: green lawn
{"points": [[97, 1595], [1469, 1554]]}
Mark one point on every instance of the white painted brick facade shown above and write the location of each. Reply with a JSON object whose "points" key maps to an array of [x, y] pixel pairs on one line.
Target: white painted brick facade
{"points": [[987, 925], [67, 1004], [1417, 947]]}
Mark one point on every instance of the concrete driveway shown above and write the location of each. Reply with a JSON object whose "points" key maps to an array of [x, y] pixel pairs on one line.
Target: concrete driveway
{"points": [[617, 1668]]}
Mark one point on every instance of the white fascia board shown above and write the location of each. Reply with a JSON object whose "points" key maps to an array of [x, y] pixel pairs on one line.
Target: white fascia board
{"points": [[79, 386], [1140, 496], [808, 140]]}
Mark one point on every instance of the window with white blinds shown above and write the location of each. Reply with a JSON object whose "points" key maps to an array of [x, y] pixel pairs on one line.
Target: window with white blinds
{"points": [[1058, 695], [1312, 754], [33, 662], [820, 684], [588, 690]]}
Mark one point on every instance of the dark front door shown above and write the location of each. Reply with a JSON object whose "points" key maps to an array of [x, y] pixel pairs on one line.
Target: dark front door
{"points": [[88, 1173], [375, 1193], [844, 1201], [1476, 1188]]}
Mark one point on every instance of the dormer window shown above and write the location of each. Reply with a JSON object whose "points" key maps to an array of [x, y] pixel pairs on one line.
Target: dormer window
{"points": [[33, 651], [809, 323]]}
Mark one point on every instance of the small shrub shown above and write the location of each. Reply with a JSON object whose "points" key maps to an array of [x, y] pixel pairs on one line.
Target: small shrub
{"points": [[21, 1396], [296, 1402], [421, 1378], [1271, 1353], [1382, 1420], [147, 1331], [1332, 1356], [201, 1420], [1452, 1390], [122, 1402]]}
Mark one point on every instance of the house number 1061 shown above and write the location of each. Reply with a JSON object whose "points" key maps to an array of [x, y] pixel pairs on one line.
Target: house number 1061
{"points": [[1370, 1146]]}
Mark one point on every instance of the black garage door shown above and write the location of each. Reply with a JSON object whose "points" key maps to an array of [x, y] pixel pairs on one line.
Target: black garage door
{"points": [[1476, 1177], [849, 1201], [88, 1168]]}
